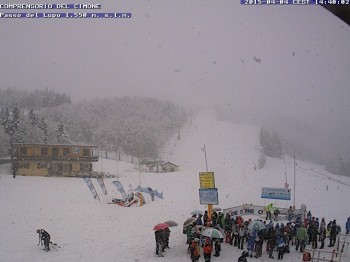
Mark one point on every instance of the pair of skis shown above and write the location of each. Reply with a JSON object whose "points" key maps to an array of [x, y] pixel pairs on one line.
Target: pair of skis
{"points": [[54, 245]]}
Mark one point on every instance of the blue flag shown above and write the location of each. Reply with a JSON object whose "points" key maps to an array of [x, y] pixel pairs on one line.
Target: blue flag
{"points": [[120, 188], [149, 190], [91, 187], [102, 185]]}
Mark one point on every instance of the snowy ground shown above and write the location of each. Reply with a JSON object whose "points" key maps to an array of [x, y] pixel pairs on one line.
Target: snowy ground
{"points": [[89, 230]]}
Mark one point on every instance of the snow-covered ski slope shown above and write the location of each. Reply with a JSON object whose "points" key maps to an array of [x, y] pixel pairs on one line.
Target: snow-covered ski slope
{"points": [[88, 230]]}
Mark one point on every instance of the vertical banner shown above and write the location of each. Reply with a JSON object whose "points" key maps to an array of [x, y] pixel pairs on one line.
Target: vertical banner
{"points": [[91, 187], [120, 188], [102, 185]]}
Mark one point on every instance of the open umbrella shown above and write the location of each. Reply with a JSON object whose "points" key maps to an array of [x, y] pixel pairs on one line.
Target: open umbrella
{"points": [[189, 221], [211, 232], [220, 229], [197, 212], [171, 223], [216, 209], [160, 226], [256, 225]]}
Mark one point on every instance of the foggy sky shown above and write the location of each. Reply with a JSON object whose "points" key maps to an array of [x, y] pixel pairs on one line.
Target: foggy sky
{"points": [[290, 63]]}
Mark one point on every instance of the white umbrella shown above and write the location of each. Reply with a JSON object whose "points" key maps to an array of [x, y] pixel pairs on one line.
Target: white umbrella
{"points": [[211, 232], [197, 212], [189, 221]]}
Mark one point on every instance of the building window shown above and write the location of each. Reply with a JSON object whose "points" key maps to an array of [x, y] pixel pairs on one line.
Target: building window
{"points": [[67, 167], [44, 151], [66, 151], [86, 152], [55, 151], [41, 165], [24, 165], [76, 150], [85, 167], [23, 150]]}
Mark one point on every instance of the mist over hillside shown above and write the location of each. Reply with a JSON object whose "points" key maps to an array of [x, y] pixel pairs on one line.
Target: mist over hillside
{"points": [[318, 136]]}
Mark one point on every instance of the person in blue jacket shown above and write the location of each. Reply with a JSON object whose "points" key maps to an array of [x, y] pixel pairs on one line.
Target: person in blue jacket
{"points": [[347, 226]]}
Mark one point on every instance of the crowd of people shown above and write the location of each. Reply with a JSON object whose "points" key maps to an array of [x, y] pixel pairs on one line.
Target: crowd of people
{"points": [[278, 237]]}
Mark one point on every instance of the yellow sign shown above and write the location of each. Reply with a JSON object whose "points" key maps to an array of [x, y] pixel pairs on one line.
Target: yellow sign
{"points": [[206, 180]]}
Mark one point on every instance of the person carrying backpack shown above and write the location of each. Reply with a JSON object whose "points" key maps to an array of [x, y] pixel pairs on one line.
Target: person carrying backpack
{"points": [[243, 257], [44, 237]]}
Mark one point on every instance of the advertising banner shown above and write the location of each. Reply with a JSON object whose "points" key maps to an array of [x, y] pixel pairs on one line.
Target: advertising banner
{"points": [[276, 193], [91, 187], [102, 185]]}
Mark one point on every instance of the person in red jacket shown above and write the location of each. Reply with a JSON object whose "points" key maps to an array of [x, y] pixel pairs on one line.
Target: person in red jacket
{"points": [[207, 249], [195, 250]]}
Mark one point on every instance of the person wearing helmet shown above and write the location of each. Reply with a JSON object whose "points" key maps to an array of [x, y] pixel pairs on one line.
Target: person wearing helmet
{"points": [[44, 237]]}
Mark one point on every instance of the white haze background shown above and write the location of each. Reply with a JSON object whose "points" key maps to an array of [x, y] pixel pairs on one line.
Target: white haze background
{"points": [[284, 67], [89, 230]]}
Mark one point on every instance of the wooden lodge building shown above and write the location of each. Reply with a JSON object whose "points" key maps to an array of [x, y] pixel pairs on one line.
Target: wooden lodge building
{"points": [[53, 159]]}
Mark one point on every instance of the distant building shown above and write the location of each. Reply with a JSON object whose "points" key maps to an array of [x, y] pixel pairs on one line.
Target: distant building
{"points": [[169, 167], [152, 165], [53, 159]]}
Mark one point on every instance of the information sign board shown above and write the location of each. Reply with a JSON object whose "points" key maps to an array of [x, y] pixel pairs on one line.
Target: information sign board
{"points": [[208, 196], [206, 180]]}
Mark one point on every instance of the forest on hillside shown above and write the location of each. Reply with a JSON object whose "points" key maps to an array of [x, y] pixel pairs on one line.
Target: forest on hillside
{"points": [[136, 126]]}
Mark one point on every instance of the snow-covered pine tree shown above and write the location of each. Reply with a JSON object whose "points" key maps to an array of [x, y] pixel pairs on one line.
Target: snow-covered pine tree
{"points": [[43, 127], [61, 134], [15, 120], [5, 120], [34, 119]]}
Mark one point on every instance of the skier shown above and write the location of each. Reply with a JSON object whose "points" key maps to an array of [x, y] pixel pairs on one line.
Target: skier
{"points": [[228, 228], [243, 257], [242, 233], [159, 236], [220, 220], [280, 247], [302, 238], [189, 233], [276, 212], [207, 249], [290, 213], [323, 232], [205, 217], [251, 242], [195, 251], [44, 237], [347, 226], [268, 209], [214, 218], [313, 233], [334, 231], [271, 241], [259, 240], [166, 236], [217, 245], [199, 220]]}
